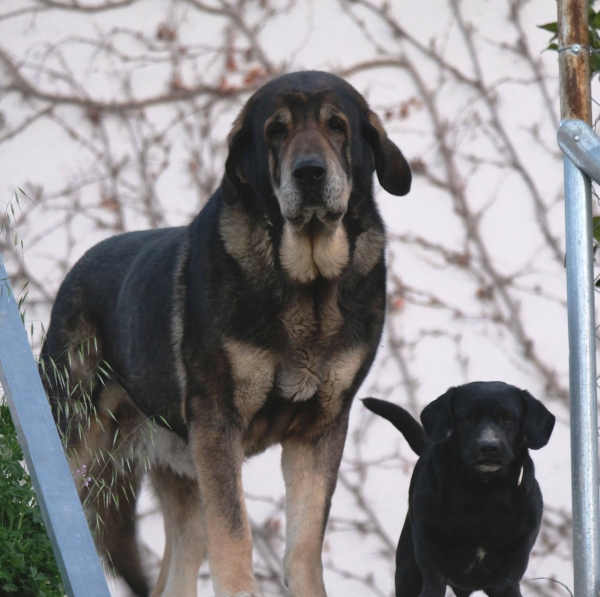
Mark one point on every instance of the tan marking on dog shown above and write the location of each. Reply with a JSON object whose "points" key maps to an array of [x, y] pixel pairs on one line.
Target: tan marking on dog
{"points": [[299, 319], [163, 574], [304, 258], [253, 375], [340, 373], [296, 256], [310, 136], [368, 250], [218, 455], [250, 245], [230, 561], [306, 498], [298, 377], [300, 381], [177, 322], [310, 473], [185, 547], [331, 253], [93, 436], [284, 116], [162, 447], [85, 352], [331, 317]]}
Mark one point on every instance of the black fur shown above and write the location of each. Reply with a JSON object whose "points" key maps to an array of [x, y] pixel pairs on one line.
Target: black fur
{"points": [[127, 289], [471, 524]]}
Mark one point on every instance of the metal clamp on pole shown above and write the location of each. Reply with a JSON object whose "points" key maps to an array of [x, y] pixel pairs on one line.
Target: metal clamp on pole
{"points": [[54, 487], [580, 143]]}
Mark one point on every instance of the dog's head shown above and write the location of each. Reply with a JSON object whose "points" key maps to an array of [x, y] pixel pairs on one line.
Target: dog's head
{"points": [[488, 424], [304, 148]]}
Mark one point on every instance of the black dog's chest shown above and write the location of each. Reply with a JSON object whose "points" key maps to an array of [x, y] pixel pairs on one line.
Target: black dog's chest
{"points": [[474, 568], [474, 533]]}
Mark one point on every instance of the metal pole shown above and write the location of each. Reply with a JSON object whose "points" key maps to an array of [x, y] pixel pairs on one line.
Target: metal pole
{"points": [[582, 376], [573, 41]]}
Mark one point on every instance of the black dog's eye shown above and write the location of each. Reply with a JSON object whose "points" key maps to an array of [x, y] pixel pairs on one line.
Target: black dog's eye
{"points": [[277, 130], [465, 420], [336, 125], [507, 419]]}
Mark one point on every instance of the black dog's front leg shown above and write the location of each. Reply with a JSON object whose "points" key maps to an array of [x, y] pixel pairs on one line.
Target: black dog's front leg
{"points": [[409, 582], [511, 572], [433, 586], [425, 553], [505, 588]]}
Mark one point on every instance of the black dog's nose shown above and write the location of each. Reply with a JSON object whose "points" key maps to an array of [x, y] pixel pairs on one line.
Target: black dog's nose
{"points": [[309, 171], [489, 449]]}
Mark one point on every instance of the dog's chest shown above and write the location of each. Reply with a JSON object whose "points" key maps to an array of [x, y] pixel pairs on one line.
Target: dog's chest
{"points": [[309, 359]]}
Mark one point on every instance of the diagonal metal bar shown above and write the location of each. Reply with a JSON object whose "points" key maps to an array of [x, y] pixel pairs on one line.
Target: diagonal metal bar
{"points": [[54, 487]]}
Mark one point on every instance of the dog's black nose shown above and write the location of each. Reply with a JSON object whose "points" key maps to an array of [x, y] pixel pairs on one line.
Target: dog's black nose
{"points": [[309, 171], [489, 449]]}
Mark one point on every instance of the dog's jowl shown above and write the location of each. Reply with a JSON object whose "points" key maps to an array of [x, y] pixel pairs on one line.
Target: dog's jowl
{"points": [[254, 325], [475, 506]]}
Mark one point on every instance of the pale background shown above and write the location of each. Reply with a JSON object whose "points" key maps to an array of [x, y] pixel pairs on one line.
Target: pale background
{"points": [[113, 117]]}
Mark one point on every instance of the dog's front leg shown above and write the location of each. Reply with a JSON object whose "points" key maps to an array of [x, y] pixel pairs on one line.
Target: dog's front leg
{"points": [[218, 456], [433, 587], [310, 467], [427, 558], [511, 572]]}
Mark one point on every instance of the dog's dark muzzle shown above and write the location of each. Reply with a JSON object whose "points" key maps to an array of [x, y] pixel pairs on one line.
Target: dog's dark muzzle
{"points": [[310, 174], [489, 453]]}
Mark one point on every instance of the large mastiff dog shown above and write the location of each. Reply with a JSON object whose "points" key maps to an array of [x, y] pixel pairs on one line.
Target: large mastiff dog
{"points": [[254, 325]]}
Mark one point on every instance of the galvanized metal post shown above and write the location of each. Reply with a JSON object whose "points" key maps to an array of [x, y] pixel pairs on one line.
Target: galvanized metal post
{"points": [[573, 42], [54, 488]]}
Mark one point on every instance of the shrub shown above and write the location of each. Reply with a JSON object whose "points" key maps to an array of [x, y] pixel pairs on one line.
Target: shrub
{"points": [[27, 564]]}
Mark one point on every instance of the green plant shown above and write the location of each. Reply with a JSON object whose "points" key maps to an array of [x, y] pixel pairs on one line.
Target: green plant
{"points": [[27, 564]]}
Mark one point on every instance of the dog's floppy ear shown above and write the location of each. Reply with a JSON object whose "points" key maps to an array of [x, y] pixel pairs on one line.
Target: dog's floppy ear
{"points": [[538, 423], [391, 166], [237, 163], [437, 418]]}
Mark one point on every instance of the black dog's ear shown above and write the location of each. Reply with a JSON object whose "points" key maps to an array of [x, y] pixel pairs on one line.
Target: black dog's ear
{"points": [[538, 423], [228, 191], [391, 166], [437, 418], [236, 165]]}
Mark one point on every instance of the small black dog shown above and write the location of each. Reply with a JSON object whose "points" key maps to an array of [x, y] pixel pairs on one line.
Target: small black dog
{"points": [[475, 506]]}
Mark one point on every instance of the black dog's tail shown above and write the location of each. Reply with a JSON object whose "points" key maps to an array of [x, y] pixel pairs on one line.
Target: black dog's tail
{"points": [[403, 421]]}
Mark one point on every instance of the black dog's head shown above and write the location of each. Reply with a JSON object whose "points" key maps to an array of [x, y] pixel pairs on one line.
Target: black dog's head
{"points": [[303, 149], [305, 136], [488, 424]]}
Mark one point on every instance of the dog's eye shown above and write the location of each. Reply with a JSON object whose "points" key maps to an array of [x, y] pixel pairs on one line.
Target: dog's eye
{"points": [[507, 419], [277, 130], [336, 125], [465, 420]]}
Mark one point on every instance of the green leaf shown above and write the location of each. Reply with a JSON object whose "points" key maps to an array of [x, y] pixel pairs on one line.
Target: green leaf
{"points": [[596, 228], [552, 27]]}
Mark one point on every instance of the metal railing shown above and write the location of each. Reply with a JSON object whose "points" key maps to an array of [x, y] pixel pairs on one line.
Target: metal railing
{"points": [[54, 487], [581, 146]]}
